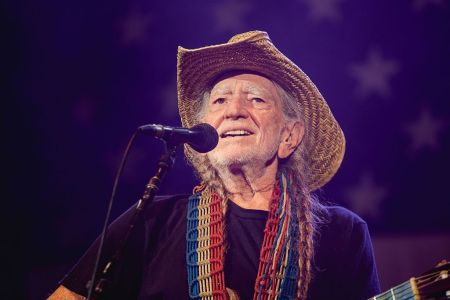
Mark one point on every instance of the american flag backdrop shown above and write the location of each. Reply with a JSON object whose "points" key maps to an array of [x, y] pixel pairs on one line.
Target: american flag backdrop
{"points": [[80, 76]]}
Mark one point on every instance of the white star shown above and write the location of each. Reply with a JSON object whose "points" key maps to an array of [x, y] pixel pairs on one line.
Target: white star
{"points": [[419, 5], [373, 75], [134, 28], [229, 15], [365, 198], [424, 131], [324, 10], [168, 101]]}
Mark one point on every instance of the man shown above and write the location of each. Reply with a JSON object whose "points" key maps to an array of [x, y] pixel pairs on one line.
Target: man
{"points": [[252, 228]]}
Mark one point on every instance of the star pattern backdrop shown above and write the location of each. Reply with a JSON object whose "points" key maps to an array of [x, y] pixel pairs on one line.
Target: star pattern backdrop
{"points": [[82, 76]]}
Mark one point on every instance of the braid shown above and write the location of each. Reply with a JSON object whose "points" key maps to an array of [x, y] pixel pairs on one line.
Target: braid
{"points": [[206, 172], [308, 214], [306, 250]]}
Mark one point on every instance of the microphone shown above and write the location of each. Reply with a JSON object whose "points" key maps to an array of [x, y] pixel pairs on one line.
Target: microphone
{"points": [[201, 137]]}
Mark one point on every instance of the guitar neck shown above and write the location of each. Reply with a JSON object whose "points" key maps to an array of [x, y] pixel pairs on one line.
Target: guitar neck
{"points": [[404, 291]]}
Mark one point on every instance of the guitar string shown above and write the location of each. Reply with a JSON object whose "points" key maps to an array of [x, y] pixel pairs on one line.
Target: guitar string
{"points": [[400, 288], [389, 297], [384, 296], [404, 290], [424, 281], [401, 295], [427, 284], [432, 274], [429, 280], [405, 293]]}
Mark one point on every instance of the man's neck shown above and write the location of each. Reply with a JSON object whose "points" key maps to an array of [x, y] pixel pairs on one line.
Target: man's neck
{"points": [[250, 187]]}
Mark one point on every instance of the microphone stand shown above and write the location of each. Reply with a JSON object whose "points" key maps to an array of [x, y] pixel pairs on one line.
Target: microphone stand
{"points": [[165, 162]]}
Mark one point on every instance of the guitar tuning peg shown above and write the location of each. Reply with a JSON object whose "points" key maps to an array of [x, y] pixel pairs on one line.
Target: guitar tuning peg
{"points": [[442, 263]]}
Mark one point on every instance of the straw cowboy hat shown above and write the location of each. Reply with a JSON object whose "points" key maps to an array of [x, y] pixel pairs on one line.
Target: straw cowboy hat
{"points": [[324, 140]]}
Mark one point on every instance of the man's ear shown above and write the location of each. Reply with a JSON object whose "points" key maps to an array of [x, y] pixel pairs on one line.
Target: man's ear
{"points": [[291, 137]]}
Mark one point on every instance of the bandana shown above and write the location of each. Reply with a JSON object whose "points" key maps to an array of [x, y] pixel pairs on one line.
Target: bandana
{"points": [[278, 270]]}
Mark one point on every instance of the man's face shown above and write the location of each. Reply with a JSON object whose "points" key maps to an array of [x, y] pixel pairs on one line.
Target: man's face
{"points": [[246, 111]]}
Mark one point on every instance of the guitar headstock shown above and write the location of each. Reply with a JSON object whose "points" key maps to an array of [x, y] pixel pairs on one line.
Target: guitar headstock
{"points": [[435, 283], [431, 285]]}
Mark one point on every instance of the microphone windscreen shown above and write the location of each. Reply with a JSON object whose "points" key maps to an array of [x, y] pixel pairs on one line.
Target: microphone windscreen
{"points": [[205, 138]]}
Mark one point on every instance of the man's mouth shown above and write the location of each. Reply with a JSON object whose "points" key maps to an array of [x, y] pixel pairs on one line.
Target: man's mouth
{"points": [[234, 133]]}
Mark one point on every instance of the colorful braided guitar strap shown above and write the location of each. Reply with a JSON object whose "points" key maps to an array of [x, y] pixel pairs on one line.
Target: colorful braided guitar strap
{"points": [[278, 271]]}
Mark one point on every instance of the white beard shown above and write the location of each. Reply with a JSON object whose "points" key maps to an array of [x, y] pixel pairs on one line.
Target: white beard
{"points": [[249, 157]]}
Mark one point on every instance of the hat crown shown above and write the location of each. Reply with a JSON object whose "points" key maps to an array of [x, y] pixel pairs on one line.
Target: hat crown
{"points": [[250, 36]]}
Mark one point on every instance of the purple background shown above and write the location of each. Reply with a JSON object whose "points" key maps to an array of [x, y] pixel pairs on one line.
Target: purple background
{"points": [[80, 76]]}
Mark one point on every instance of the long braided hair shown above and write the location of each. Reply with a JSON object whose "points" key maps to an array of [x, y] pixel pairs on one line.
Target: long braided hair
{"points": [[309, 208]]}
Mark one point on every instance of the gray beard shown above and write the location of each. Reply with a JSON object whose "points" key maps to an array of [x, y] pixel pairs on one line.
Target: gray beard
{"points": [[249, 160]]}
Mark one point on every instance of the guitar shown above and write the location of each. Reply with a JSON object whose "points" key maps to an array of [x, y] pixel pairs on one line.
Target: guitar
{"points": [[432, 285]]}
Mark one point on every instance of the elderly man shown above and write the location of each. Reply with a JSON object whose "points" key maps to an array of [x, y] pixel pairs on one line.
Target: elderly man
{"points": [[252, 228]]}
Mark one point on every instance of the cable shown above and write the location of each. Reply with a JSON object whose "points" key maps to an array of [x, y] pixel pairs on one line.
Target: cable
{"points": [[108, 215]]}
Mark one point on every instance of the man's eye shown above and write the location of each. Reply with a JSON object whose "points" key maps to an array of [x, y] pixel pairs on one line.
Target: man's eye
{"points": [[258, 100], [219, 101]]}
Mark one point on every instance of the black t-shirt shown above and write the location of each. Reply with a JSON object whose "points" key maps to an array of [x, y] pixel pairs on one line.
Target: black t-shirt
{"points": [[154, 262]]}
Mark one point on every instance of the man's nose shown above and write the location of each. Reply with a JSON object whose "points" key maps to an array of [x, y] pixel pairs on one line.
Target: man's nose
{"points": [[236, 108]]}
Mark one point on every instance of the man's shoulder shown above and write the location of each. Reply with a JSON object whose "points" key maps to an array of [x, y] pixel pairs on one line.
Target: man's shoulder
{"points": [[340, 224], [341, 234], [164, 200], [341, 215], [161, 207], [167, 204]]}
